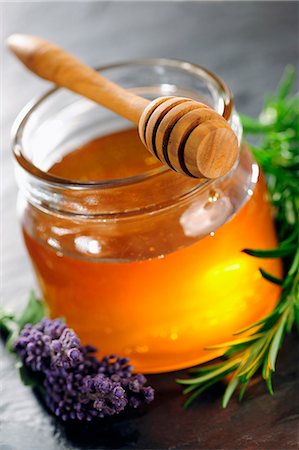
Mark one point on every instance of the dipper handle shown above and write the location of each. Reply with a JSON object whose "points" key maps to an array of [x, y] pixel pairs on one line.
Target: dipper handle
{"points": [[58, 66]]}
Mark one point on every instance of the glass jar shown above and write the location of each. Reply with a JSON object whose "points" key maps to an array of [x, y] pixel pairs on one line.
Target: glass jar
{"points": [[150, 266]]}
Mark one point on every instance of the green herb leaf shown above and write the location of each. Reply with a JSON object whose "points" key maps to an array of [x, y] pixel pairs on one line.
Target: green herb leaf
{"points": [[242, 390], [28, 377], [7, 323], [253, 126], [34, 311], [199, 391], [275, 344], [279, 252], [11, 325], [12, 336], [286, 83], [270, 277], [232, 386]]}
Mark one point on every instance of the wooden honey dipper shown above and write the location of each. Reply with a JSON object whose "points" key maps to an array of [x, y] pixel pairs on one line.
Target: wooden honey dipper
{"points": [[188, 136]]}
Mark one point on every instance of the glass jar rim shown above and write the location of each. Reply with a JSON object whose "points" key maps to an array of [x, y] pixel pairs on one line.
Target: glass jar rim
{"points": [[23, 117]]}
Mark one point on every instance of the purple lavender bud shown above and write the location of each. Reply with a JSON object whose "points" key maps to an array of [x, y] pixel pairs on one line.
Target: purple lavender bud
{"points": [[134, 385], [80, 415], [141, 378], [99, 404], [102, 385], [56, 346], [118, 392], [149, 394], [134, 402], [52, 328], [88, 383], [74, 355], [111, 365]]}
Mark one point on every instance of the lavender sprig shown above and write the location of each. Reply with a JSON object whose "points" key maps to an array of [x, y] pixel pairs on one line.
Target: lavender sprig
{"points": [[74, 383]]}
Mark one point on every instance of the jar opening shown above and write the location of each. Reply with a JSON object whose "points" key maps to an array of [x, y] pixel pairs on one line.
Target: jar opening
{"points": [[169, 74]]}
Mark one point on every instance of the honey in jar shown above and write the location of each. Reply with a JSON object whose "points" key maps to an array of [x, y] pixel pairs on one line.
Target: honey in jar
{"points": [[139, 260]]}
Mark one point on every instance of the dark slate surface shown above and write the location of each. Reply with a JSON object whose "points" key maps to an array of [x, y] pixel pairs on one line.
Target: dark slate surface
{"points": [[248, 44]]}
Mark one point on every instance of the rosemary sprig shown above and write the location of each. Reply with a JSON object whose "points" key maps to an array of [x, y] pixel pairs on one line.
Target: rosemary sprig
{"points": [[278, 155]]}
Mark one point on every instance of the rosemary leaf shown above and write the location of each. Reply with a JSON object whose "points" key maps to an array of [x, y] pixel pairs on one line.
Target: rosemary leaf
{"points": [[275, 253], [232, 386], [270, 277], [242, 390], [224, 370], [235, 342], [199, 392], [274, 347], [269, 385]]}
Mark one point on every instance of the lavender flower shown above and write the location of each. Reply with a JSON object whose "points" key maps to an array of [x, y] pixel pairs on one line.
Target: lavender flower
{"points": [[77, 385], [134, 386], [74, 395], [48, 343], [120, 370], [111, 365]]}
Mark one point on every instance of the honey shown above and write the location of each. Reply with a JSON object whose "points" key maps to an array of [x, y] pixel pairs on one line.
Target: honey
{"points": [[156, 285]]}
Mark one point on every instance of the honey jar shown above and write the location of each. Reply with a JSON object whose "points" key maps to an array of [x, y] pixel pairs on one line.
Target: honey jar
{"points": [[141, 261]]}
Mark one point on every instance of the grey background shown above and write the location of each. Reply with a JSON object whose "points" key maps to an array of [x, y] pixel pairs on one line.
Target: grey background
{"points": [[248, 44]]}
